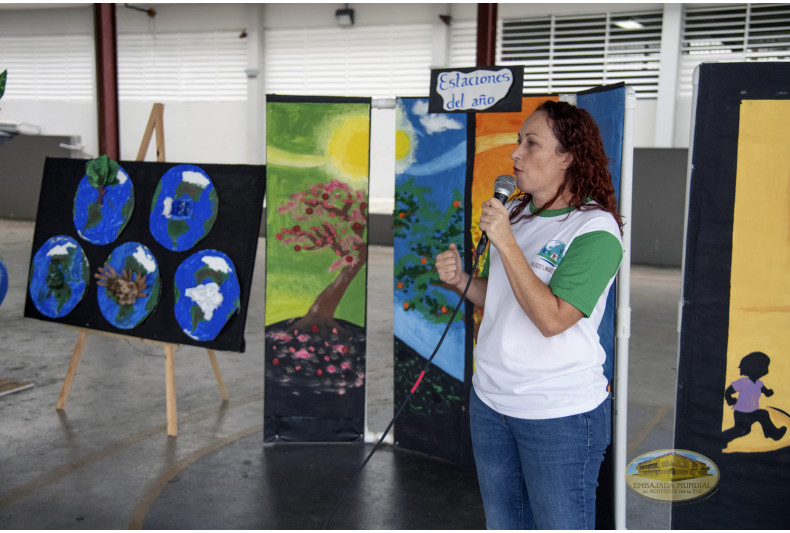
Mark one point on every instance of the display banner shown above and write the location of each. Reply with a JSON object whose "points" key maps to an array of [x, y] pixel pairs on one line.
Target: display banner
{"points": [[317, 152], [733, 393], [158, 251], [432, 155], [607, 106], [437, 154]]}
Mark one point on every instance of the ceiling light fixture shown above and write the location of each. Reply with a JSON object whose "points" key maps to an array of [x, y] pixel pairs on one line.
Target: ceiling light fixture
{"points": [[629, 24], [344, 17]]}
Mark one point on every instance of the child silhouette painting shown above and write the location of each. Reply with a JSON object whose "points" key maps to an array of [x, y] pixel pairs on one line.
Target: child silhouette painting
{"points": [[747, 404]]}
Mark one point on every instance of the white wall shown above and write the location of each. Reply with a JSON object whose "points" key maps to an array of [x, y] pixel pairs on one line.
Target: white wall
{"points": [[233, 132]]}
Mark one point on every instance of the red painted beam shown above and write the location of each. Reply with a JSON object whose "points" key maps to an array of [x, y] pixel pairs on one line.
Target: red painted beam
{"points": [[486, 34], [107, 79]]}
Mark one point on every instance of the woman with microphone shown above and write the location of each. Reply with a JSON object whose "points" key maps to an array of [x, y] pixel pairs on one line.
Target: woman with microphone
{"points": [[539, 408]]}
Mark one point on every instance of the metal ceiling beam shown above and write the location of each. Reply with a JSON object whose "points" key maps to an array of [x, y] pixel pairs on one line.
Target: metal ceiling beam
{"points": [[107, 79], [486, 34]]}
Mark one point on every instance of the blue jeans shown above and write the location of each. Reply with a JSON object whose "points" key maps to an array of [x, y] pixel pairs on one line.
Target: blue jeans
{"points": [[539, 474]]}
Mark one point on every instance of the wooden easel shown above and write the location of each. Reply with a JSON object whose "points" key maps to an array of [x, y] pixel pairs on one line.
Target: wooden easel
{"points": [[155, 121]]}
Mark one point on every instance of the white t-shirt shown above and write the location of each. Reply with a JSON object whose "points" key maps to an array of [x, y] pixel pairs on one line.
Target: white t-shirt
{"points": [[518, 371]]}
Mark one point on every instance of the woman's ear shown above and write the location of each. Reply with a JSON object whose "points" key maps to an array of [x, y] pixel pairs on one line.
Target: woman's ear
{"points": [[567, 160]]}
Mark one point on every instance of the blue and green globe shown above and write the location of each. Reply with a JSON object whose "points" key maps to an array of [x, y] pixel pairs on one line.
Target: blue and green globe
{"points": [[207, 294], [3, 281], [184, 207], [128, 290], [101, 213], [59, 276]]}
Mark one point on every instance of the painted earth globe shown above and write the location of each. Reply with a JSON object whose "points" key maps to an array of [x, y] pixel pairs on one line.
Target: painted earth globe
{"points": [[59, 276], [128, 285], [102, 212], [3, 281], [184, 207], [207, 294]]}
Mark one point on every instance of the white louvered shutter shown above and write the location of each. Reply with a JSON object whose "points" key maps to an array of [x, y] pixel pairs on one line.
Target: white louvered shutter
{"points": [[48, 67], [182, 67], [376, 61], [463, 44], [731, 33], [573, 53]]}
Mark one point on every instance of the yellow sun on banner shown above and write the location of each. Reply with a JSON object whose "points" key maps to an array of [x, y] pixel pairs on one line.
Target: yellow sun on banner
{"points": [[402, 144], [348, 148]]}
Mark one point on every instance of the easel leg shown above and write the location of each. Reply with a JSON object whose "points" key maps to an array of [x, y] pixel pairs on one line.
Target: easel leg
{"points": [[155, 121], [170, 390], [221, 384], [72, 371]]}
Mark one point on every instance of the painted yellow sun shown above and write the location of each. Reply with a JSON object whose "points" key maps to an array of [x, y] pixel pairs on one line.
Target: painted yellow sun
{"points": [[348, 147], [402, 144]]}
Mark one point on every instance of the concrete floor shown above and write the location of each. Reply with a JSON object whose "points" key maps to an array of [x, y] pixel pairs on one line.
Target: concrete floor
{"points": [[106, 462]]}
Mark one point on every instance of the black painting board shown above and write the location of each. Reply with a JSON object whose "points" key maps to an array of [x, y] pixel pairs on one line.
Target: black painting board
{"points": [[240, 189], [754, 488]]}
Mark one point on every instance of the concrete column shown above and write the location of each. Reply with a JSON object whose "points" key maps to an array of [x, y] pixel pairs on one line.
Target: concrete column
{"points": [[671, 28]]}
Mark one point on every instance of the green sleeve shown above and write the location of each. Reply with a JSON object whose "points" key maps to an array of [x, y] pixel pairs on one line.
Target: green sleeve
{"points": [[585, 270]]}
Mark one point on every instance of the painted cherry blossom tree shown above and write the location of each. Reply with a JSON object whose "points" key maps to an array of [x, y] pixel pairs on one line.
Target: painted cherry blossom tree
{"points": [[332, 216]]}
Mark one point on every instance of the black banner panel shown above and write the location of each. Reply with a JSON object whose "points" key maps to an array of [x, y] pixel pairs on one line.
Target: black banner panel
{"points": [[733, 393]]}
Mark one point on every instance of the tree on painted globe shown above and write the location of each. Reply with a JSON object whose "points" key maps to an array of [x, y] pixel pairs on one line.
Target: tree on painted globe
{"points": [[104, 201], [128, 285], [59, 276]]}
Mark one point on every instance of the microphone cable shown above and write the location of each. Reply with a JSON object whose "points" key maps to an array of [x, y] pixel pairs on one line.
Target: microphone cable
{"points": [[480, 247]]}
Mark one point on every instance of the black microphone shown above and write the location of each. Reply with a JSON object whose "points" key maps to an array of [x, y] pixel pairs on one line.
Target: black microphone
{"points": [[503, 188]]}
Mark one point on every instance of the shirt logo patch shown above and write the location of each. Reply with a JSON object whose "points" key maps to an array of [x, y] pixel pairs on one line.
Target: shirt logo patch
{"points": [[553, 252]]}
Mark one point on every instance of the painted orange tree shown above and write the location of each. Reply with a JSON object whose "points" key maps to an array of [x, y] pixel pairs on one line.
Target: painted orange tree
{"points": [[427, 228]]}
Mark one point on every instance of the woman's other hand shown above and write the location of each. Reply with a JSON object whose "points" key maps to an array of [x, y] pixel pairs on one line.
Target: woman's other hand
{"points": [[450, 267]]}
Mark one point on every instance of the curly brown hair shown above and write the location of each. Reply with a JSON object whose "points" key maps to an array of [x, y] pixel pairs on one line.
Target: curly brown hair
{"points": [[588, 176]]}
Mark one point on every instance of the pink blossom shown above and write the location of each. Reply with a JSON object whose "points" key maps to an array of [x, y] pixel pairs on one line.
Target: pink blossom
{"points": [[303, 354], [345, 366], [303, 338], [279, 336], [331, 369]]}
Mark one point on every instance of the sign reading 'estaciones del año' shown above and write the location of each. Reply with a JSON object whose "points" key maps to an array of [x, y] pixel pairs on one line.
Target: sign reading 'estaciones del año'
{"points": [[481, 89]]}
